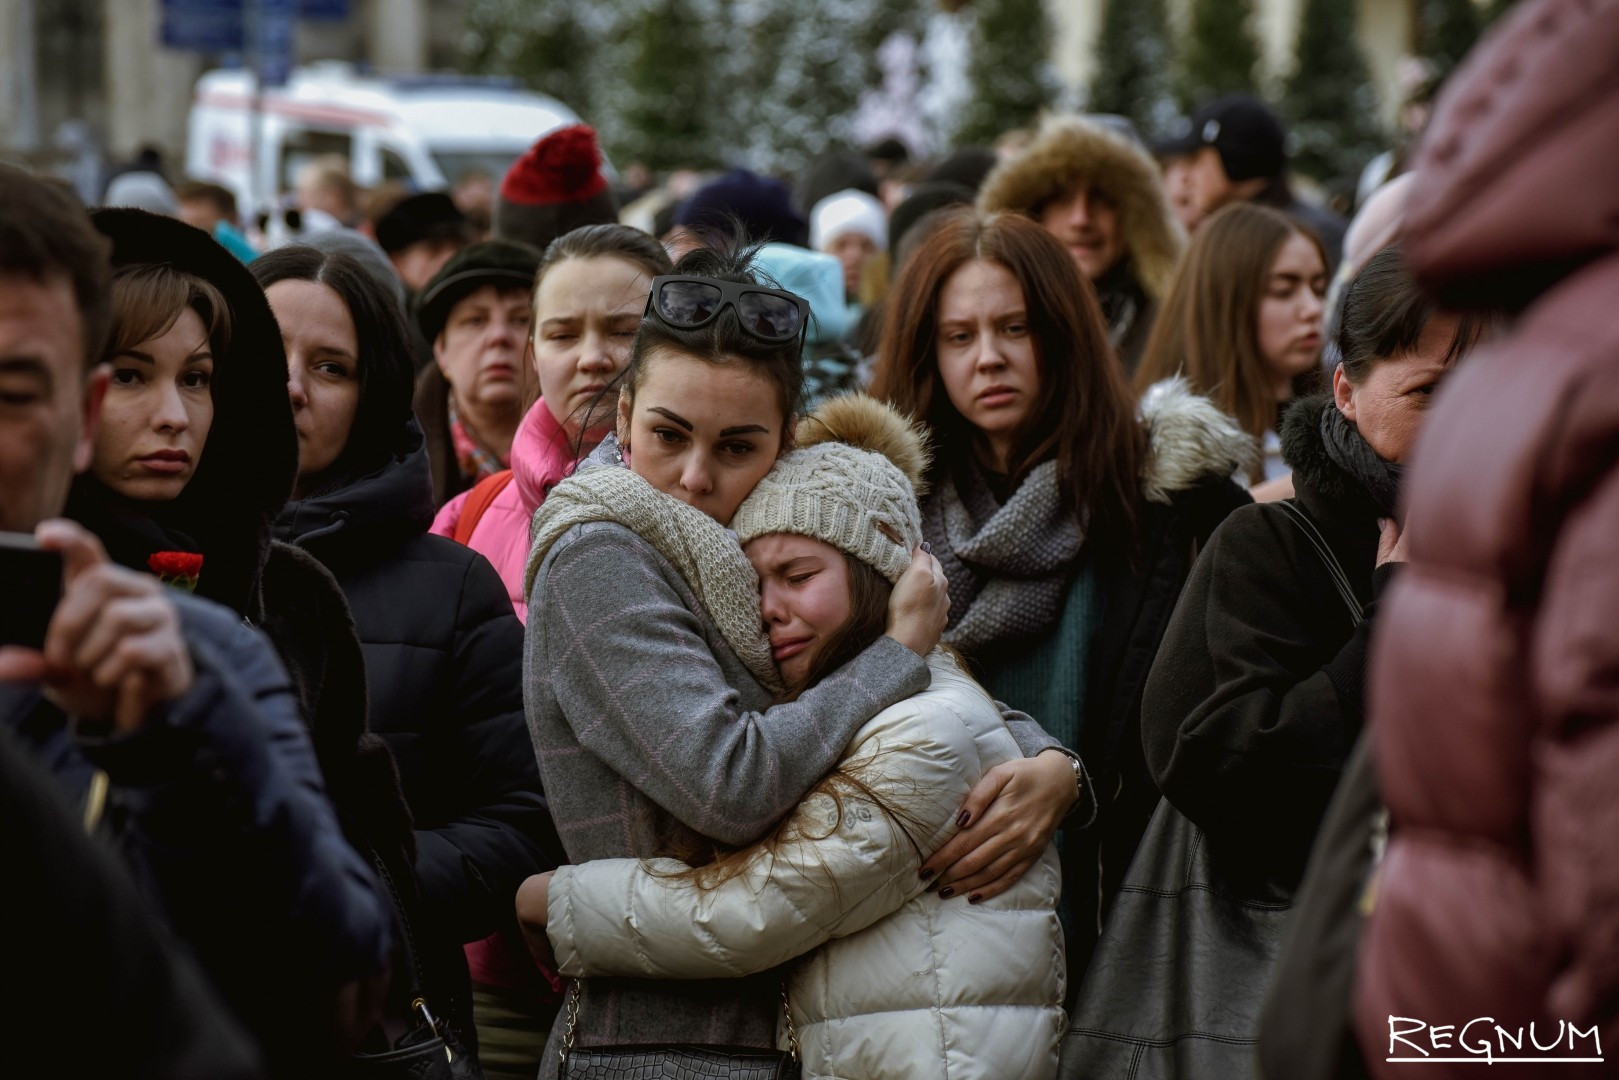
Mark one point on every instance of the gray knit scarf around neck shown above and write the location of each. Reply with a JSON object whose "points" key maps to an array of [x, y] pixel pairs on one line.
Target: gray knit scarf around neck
{"points": [[1355, 456], [1008, 564]]}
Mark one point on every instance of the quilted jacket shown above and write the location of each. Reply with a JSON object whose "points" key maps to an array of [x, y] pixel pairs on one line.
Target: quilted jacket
{"points": [[542, 455], [894, 982], [1494, 704]]}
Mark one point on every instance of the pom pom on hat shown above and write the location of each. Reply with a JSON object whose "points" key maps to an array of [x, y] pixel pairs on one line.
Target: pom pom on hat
{"points": [[564, 166], [852, 482], [864, 423], [555, 187]]}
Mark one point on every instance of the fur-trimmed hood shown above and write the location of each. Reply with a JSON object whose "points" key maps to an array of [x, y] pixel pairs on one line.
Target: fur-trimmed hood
{"points": [[1070, 152], [1191, 440]]}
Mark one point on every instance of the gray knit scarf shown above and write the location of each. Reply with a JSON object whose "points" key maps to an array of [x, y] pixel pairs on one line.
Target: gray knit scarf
{"points": [[1008, 565], [1354, 455]]}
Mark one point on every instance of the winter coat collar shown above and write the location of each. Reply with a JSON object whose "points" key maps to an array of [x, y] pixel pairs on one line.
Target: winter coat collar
{"points": [[1191, 440], [382, 508], [542, 455], [1069, 153], [1335, 500]]}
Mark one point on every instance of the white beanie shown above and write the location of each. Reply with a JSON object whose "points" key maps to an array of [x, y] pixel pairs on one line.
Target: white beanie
{"points": [[851, 482], [848, 211]]}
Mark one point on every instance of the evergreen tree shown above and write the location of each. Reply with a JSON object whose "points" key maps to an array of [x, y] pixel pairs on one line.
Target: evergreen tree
{"points": [[660, 100], [1446, 29], [550, 44], [1132, 68], [1010, 78], [1221, 54], [1330, 97], [807, 64]]}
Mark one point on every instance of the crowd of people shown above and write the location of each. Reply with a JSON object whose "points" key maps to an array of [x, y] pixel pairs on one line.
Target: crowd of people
{"points": [[1077, 610]]}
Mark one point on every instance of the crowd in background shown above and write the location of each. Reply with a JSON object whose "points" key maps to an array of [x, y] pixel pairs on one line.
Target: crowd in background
{"points": [[1073, 609]]}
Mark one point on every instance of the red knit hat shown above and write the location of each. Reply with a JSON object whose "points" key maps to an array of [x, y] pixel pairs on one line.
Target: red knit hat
{"points": [[554, 188]]}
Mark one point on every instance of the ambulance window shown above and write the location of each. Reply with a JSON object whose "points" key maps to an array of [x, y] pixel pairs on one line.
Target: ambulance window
{"points": [[301, 146], [394, 167]]}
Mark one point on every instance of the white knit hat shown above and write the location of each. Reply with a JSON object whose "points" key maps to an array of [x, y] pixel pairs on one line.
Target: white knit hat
{"points": [[848, 211], [851, 482]]}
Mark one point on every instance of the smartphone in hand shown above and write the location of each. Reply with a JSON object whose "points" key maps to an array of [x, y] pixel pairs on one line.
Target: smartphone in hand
{"points": [[30, 587]]}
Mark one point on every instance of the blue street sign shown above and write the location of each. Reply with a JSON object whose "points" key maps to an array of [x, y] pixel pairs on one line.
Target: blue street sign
{"points": [[273, 43], [327, 10], [202, 25], [262, 30]]}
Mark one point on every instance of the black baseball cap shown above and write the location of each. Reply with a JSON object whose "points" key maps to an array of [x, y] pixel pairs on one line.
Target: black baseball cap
{"points": [[1244, 131]]}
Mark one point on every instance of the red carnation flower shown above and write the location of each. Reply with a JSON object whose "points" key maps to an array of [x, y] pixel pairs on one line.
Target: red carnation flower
{"points": [[178, 568]]}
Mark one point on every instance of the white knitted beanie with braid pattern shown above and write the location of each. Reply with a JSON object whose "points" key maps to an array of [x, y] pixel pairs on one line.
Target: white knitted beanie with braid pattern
{"points": [[851, 482]]}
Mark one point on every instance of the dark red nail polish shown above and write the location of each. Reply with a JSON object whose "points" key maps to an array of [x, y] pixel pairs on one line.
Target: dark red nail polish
{"points": [[963, 818], [974, 898], [926, 874], [945, 894]]}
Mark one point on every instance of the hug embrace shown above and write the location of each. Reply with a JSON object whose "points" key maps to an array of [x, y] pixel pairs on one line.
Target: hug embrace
{"points": [[763, 766], [801, 772]]}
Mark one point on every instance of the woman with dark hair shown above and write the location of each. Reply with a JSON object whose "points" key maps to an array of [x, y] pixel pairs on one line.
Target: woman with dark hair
{"points": [[1258, 692], [1242, 322], [589, 292], [1065, 522], [195, 457], [652, 696], [442, 648]]}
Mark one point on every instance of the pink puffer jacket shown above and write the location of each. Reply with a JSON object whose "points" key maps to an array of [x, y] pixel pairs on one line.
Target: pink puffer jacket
{"points": [[1495, 696], [542, 456]]}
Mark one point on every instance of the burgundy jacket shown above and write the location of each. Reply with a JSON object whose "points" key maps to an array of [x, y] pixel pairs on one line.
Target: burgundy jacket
{"points": [[1495, 697]]}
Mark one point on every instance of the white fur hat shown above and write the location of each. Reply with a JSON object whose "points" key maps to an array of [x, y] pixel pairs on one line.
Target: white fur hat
{"points": [[851, 482], [848, 211]]}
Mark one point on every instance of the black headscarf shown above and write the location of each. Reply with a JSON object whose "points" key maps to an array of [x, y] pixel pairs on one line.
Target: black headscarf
{"points": [[247, 467]]}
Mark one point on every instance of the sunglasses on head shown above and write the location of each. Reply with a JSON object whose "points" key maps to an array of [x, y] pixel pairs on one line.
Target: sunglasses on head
{"points": [[688, 303]]}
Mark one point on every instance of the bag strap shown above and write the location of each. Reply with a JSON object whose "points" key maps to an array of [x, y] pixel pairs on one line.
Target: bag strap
{"points": [[1335, 569], [413, 975], [483, 494]]}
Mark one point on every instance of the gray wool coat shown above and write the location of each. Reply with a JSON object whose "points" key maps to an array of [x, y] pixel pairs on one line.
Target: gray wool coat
{"points": [[649, 730]]}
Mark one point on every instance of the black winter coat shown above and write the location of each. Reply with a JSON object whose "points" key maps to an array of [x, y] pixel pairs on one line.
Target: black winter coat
{"points": [[218, 807], [93, 939], [443, 658], [1137, 603], [1258, 691]]}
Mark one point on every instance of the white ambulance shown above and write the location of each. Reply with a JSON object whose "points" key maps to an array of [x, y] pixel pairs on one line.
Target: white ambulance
{"points": [[427, 131]]}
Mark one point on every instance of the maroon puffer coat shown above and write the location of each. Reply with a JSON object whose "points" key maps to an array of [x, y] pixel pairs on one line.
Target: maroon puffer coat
{"points": [[1495, 699]]}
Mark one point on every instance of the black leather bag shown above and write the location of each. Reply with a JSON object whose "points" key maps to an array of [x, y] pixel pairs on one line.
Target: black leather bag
{"points": [[675, 1062], [427, 1049], [1175, 985], [1179, 977]]}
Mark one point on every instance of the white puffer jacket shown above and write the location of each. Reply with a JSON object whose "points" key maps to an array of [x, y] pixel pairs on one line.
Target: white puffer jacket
{"points": [[903, 984]]}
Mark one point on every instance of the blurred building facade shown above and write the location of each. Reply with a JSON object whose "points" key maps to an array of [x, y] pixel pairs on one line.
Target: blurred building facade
{"points": [[88, 76], [1387, 30], [91, 72]]}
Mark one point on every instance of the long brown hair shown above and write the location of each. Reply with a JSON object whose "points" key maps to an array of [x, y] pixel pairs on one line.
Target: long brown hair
{"points": [[1086, 417], [711, 865], [1208, 327]]}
